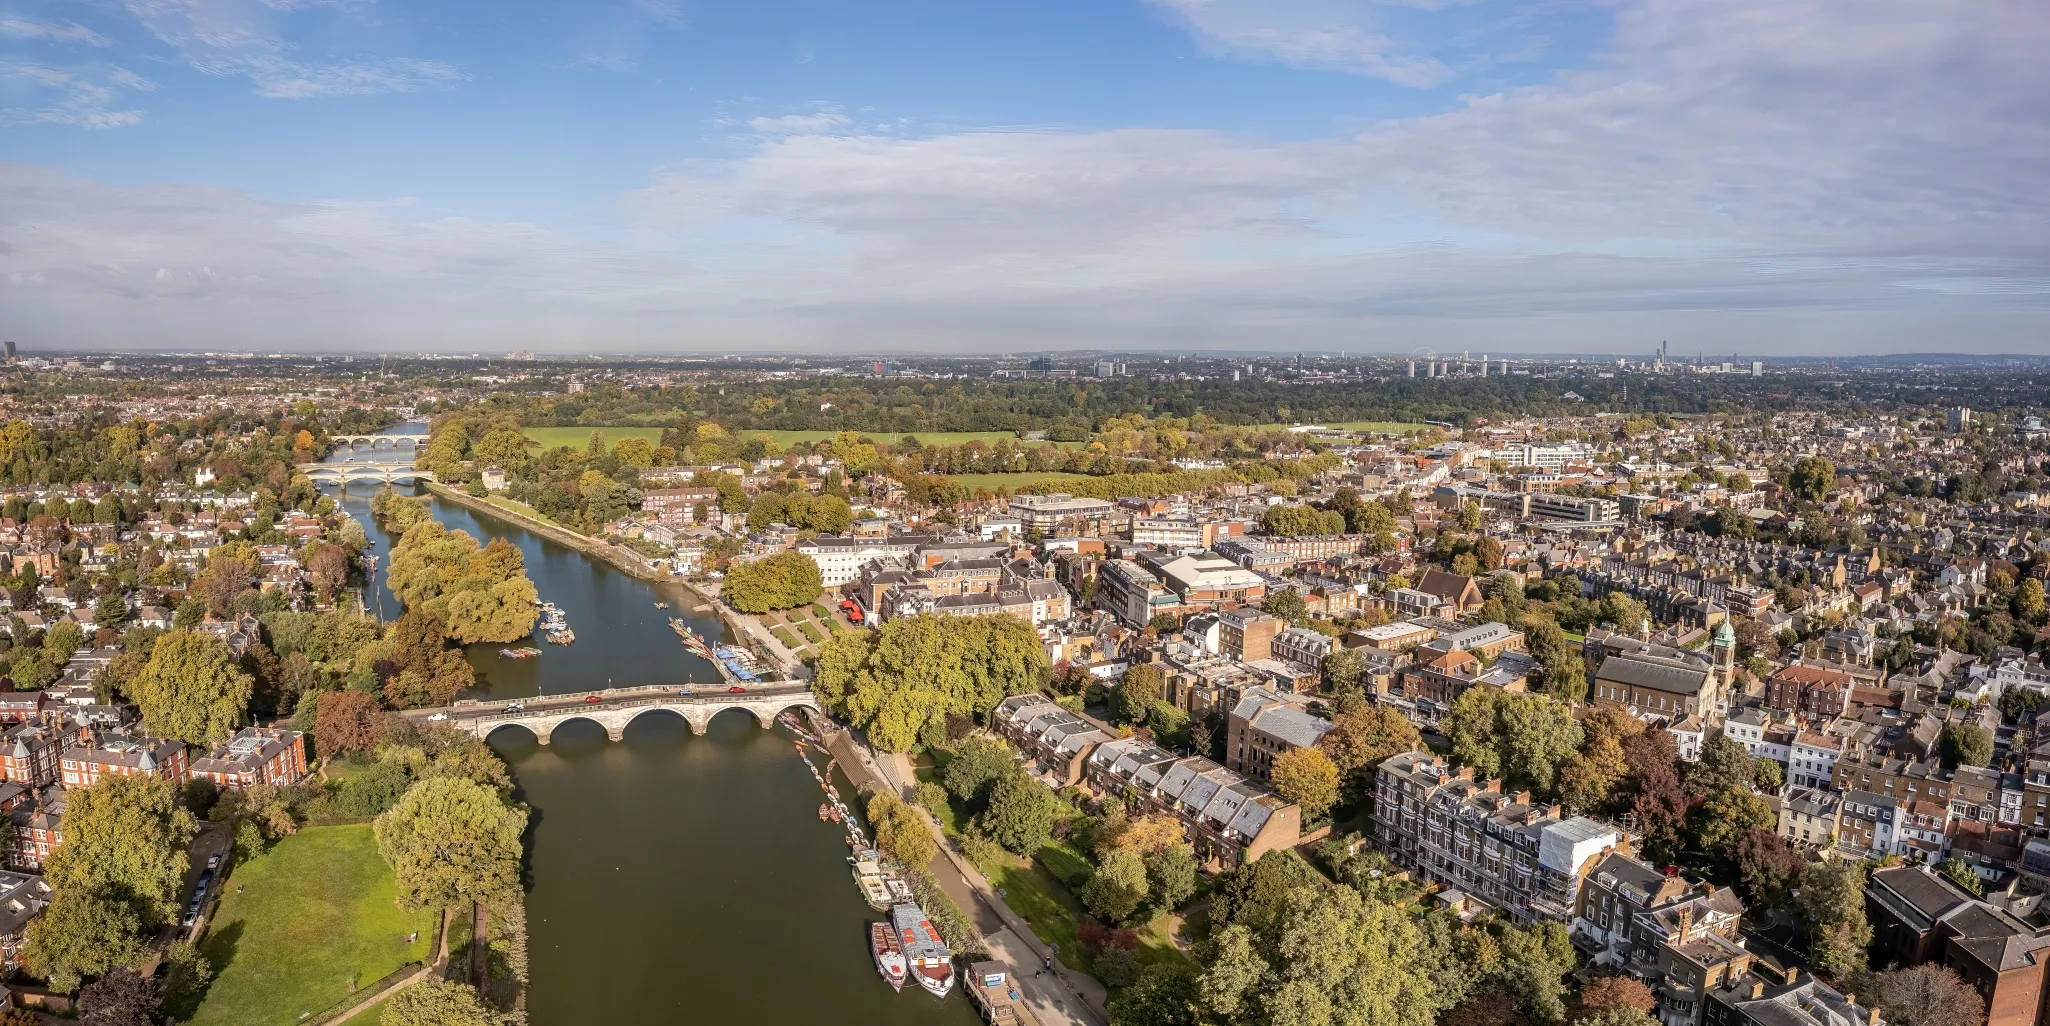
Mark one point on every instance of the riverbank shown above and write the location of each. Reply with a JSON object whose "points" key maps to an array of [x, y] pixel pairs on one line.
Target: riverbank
{"points": [[618, 557], [635, 565]]}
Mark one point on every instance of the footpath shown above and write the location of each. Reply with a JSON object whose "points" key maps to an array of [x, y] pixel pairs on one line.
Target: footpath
{"points": [[1058, 996]]}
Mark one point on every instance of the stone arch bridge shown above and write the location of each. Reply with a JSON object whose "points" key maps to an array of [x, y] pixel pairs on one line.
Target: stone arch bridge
{"points": [[368, 470], [614, 708], [378, 441]]}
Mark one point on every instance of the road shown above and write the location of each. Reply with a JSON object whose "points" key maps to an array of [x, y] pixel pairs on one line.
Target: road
{"points": [[608, 698]]}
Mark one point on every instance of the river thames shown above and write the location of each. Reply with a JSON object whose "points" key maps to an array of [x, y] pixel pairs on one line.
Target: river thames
{"points": [[672, 878]]}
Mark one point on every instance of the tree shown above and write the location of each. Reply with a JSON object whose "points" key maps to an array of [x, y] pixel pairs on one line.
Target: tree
{"points": [[110, 612], [452, 841], [328, 565], [1832, 906], [1623, 613], [1287, 604], [1020, 813], [1307, 777], [1962, 875], [782, 581], [129, 835], [901, 831], [1928, 995], [433, 567], [1523, 738], [1562, 672], [1298, 521], [439, 1003], [1657, 801], [347, 721], [1588, 780], [1724, 765], [1172, 872], [191, 689], [1618, 1017], [1143, 687], [86, 931], [1811, 478], [1344, 959], [890, 682], [121, 998], [1471, 516], [1767, 868], [2028, 599], [1360, 739], [979, 761], [1606, 992], [1727, 815], [1966, 744], [1163, 995], [1115, 891]]}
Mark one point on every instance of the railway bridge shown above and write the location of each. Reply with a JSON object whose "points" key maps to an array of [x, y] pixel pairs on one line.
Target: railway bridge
{"points": [[614, 708]]}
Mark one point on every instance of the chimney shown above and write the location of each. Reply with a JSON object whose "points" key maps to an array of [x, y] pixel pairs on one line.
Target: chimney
{"points": [[1757, 988], [1686, 922]]}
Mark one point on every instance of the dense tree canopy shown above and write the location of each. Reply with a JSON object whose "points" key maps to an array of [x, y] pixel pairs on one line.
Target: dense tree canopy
{"points": [[480, 593], [117, 877], [191, 689], [785, 580], [452, 841], [912, 671]]}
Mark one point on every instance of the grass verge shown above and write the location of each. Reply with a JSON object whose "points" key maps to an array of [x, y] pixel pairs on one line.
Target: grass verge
{"points": [[305, 926]]}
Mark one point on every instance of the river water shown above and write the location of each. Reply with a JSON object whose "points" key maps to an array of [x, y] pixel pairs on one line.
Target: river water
{"points": [[672, 878]]}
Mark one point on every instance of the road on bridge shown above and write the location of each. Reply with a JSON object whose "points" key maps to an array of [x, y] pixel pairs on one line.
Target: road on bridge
{"points": [[608, 699]]}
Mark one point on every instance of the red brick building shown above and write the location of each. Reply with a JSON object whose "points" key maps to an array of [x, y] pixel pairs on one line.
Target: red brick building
{"points": [[256, 755]]}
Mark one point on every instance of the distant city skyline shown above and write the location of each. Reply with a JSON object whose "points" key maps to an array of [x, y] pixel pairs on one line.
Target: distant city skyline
{"points": [[1744, 178]]}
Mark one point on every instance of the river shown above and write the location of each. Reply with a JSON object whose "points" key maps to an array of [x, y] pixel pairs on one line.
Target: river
{"points": [[672, 878]]}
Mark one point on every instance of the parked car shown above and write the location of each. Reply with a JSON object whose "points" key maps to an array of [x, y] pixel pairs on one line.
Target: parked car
{"points": [[213, 861]]}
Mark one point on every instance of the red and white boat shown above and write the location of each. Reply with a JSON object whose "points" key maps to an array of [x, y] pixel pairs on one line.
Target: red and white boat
{"points": [[882, 942], [924, 952]]}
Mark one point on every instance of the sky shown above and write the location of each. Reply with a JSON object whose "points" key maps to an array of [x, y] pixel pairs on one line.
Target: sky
{"points": [[1747, 177]]}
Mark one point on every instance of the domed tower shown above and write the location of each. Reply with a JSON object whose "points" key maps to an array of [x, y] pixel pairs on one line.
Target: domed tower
{"points": [[1724, 643]]}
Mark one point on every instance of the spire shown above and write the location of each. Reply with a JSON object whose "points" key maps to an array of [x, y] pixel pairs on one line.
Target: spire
{"points": [[1725, 637]]}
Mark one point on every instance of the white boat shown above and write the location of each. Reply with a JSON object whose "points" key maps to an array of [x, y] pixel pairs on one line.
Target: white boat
{"points": [[889, 955], [927, 956]]}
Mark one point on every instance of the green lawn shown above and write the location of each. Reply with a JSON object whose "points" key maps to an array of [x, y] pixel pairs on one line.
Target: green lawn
{"points": [[994, 482], [1055, 914], [578, 437], [789, 640], [885, 437], [315, 919], [1386, 427], [810, 632]]}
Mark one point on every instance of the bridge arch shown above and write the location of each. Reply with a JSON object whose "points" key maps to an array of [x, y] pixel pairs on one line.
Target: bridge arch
{"points": [[485, 731], [681, 714]]}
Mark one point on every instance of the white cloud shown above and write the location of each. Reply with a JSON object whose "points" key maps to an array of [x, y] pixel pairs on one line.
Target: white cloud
{"points": [[81, 99], [1764, 175], [245, 38], [1336, 35], [22, 28]]}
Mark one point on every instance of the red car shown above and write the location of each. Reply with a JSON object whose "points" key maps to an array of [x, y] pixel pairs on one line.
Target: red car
{"points": [[593, 699], [737, 689]]}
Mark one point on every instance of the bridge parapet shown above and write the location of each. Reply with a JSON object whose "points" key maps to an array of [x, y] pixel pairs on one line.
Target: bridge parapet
{"points": [[615, 708]]}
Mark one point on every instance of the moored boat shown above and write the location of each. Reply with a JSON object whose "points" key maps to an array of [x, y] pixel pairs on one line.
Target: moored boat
{"points": [[925, 954], [889, 956]]}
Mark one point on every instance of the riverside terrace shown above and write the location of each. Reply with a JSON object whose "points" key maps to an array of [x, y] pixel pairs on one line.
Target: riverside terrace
{"points": [[614, 708]]}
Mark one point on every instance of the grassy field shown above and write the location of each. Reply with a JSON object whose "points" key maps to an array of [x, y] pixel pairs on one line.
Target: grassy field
{"points": [[578, 437], [994, 482], [1386, 427], [887, 437], [304, 926]]}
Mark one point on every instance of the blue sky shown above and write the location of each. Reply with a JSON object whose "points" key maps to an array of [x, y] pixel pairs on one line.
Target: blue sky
{"points": [[1750, 176]]}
